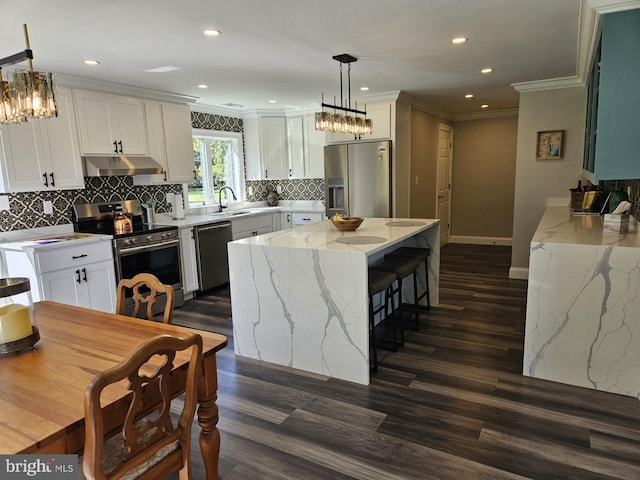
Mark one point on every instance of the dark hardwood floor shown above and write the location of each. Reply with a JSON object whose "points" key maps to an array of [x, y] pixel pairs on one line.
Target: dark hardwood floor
{"points": [[452, 404]]}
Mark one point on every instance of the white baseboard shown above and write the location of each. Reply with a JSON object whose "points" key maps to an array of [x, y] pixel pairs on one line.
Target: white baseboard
{"points": [[475, 240], [519, 273]]}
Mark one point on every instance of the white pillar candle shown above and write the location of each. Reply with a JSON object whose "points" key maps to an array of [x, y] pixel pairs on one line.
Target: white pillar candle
{"points": [[15, 323]]}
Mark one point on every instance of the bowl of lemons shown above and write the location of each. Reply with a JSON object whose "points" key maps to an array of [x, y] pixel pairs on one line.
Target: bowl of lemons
{"points": [[346, 224]]}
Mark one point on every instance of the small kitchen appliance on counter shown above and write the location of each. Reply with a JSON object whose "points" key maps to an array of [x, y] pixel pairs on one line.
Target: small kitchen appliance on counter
{"points": [[145, 248]]}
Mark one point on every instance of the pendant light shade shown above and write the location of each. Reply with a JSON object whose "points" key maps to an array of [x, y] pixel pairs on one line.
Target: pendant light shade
{"points": [[27, 94]]}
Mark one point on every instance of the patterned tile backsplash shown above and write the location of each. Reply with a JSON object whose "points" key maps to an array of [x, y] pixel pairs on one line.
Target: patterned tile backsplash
{"points": [[298, 189], [26, 209]]}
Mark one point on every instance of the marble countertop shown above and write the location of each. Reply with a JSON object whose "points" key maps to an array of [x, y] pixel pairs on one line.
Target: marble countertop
{"points": [[373, 235], [54, 241], [203, 219], [560, 225]]}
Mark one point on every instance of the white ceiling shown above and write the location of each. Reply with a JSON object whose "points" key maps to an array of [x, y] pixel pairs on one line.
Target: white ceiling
{"points": [[282, 49]]}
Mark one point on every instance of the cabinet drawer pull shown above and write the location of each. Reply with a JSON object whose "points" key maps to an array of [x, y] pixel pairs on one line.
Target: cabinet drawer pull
{"points": [[115, 146], [78, 274], [46, 183], [120, 143], [306, 219], [53, 183], [79, 256], [84, 274]]}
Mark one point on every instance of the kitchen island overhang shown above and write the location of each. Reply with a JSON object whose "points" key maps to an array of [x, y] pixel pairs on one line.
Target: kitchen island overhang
{"points": [[299, 297]]}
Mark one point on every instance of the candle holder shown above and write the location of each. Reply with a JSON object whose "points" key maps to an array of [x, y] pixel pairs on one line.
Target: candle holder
{"points": [[18, 329]]}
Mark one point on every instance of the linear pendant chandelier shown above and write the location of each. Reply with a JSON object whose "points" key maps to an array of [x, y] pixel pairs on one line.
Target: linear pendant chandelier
{"points": [[343, 122], [27, 94]]}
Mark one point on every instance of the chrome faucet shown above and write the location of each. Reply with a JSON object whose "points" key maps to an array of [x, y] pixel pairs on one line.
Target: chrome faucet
{"points": [[220, 196]]}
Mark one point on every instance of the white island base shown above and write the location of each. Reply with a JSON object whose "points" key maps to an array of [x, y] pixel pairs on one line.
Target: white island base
{"points": [[583, 304], [299, 297]]}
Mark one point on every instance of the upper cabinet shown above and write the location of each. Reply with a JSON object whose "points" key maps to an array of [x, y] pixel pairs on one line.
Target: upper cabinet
{"points": [[281, 147], [110, 124], [170, 142], [617, 143], [43, 154]]}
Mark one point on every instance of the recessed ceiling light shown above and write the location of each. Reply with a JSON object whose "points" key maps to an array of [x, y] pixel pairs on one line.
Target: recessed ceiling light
{"points": [[484, 106], [364, 89], [272, 101], [469, 95], [486, 70], [202, 85], [91, 62], [212, 33], [458, 40]]}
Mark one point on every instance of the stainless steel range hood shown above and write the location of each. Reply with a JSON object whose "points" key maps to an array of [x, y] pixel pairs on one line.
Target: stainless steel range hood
{"points": [[120, 165]]}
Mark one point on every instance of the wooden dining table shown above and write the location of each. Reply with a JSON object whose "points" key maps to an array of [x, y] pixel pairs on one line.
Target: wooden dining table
{"points": [[42, 391]]}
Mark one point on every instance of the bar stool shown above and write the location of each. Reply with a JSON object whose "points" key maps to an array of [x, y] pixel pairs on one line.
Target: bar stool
{"points": [[401, 267], [422, 255], [379, 282]]}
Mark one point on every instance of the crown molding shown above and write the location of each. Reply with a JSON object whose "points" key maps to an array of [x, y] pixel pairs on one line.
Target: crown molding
{"points": [[506, 112], [610, 6], [548, 84], [215, 110], [121, 89]]}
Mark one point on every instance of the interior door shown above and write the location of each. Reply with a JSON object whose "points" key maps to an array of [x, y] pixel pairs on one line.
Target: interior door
{"points": [[445, 150]]}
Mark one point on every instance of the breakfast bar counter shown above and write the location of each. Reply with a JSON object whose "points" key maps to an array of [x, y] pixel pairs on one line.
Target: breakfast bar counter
{"points": [[299, 296], [583, 304]]}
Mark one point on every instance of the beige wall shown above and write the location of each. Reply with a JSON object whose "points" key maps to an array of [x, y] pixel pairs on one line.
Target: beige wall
{"points": [[483, 179], [424, 161], [536, 181]]}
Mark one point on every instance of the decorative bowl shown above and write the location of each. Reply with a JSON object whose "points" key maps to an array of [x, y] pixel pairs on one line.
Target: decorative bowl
{"points": [[347, 224]]}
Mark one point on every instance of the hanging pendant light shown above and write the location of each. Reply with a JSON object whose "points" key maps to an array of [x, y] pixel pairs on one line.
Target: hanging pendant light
{"points": [[27, 94], [339, 122]]}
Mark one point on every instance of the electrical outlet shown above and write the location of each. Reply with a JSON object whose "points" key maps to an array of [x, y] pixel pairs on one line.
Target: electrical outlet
{"points": [[4, 202], [279, 189], [47, 206], [416, 180], [250, 190]]}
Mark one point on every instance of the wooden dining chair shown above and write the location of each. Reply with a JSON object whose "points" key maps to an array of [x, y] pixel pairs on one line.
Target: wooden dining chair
{"points": [[147, 445], [146, 288]]}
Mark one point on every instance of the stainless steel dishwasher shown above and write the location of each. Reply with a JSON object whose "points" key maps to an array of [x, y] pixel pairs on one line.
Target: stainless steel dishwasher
{"points": [[211, 252]]}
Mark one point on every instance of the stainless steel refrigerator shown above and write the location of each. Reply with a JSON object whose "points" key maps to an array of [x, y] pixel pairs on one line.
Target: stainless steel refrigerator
{"points": [[358, 179]]}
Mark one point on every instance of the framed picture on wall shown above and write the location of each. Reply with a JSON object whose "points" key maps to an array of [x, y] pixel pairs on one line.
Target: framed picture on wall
{"points": [[549, 145]]}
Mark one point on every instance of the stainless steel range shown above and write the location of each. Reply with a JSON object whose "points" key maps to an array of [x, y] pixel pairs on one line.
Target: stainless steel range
{"points": [[148, 248]]}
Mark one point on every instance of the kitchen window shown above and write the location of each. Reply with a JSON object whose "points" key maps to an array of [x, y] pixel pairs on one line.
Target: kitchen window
{"points": [[218, 161]]}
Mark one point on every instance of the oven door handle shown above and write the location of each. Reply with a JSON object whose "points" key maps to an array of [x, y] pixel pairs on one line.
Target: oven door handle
{"points": [[155, 246]]}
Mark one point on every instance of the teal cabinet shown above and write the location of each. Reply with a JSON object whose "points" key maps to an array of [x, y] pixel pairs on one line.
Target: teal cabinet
{"points": [[617, 147]]}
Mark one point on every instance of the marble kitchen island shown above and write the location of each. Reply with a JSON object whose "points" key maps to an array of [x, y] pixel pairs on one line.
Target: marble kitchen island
{"points": [[583, 304], [299, 296]]}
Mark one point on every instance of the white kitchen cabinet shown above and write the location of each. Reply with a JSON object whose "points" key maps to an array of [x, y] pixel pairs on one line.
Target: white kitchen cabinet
{"points": [[314, 142], [110, 124], [189, 260], [296, 146], [81, 274], [43, 154], [92, 286], [306, 147], [283, 147], [251, 226], [380, 115], [273, 147], [285, 221], [298, 219], [170, 143]]}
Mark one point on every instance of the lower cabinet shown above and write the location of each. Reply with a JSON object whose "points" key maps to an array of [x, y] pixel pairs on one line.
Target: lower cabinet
{"points": [[298, 219], [189, 265], [92, 286], [81, 275], [251, 226]]}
